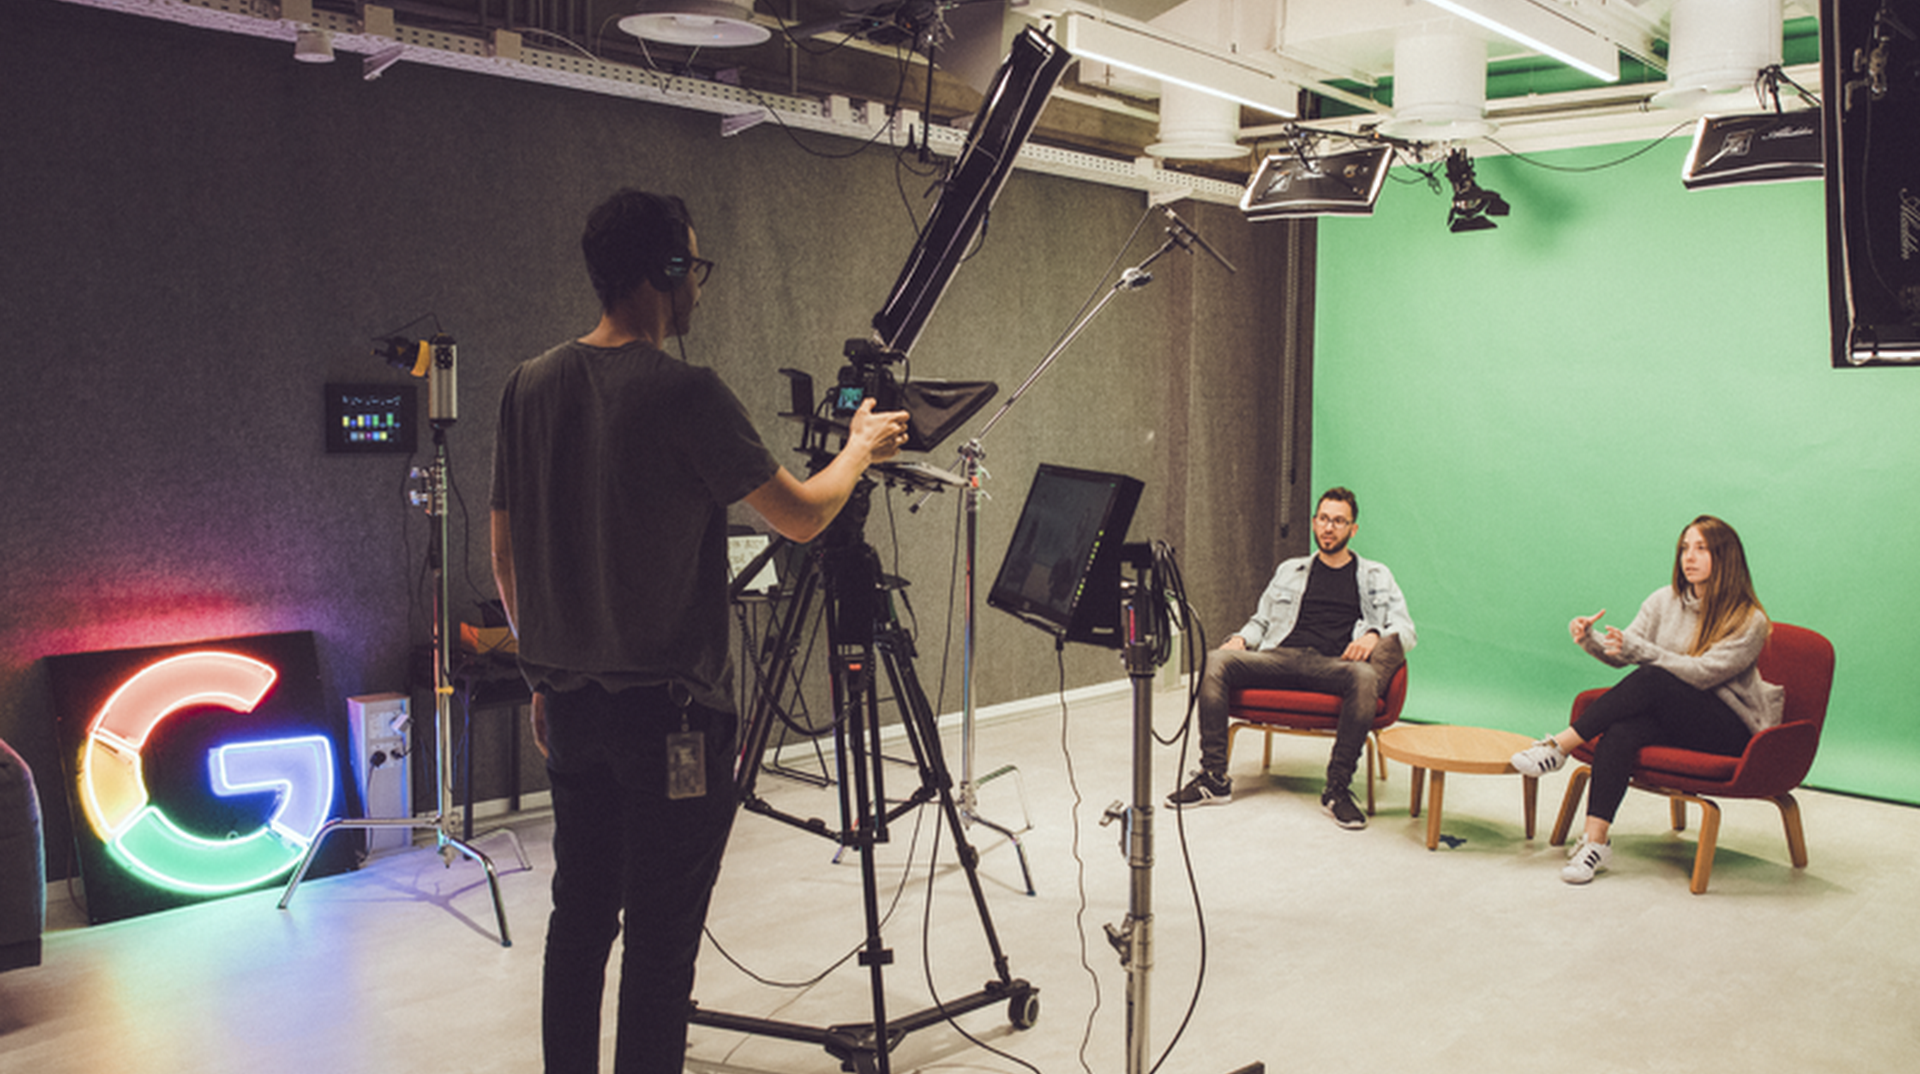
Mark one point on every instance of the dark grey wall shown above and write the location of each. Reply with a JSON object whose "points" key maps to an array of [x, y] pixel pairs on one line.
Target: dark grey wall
{"points": [[197, 234]]}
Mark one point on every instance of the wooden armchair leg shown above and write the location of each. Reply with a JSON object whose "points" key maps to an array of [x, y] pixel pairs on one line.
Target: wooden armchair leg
{"points": [[1703, 855], [1796, 835], [1677, 810], [1569, 802]]}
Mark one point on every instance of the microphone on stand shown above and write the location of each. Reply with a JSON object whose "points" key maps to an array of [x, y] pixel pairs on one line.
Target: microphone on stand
{"points": [[1181, 232]]}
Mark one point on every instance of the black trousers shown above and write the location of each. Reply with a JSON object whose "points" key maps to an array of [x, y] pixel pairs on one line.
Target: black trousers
{"points": [[624, 850], [1650, 707]]}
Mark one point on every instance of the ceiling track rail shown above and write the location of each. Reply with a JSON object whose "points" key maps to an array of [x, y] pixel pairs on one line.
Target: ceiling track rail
{"points": [[507, 55]]}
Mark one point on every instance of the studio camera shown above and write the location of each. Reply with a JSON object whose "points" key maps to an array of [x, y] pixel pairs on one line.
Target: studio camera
{"points": [[867, 375], [935, 408]]}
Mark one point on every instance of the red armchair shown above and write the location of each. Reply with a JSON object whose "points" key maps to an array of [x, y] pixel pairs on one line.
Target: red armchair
{"points": [[1775, 761], [1303, 712]]}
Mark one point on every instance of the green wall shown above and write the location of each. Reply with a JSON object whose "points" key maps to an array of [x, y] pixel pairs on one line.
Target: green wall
{"points": [[1530, 416]]}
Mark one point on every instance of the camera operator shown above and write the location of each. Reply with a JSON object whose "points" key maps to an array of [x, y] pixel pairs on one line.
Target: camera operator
{"points": [[613, 468]]}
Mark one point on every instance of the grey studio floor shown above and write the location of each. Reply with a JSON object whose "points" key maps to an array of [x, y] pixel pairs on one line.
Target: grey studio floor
{"points": [[1325, 949]]}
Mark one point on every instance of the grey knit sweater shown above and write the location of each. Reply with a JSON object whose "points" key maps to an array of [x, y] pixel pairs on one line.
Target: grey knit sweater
{"points": [[1663, 632]]}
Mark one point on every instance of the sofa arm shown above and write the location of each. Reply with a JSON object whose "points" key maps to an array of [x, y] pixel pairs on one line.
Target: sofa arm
{"points": [[23, 865]]}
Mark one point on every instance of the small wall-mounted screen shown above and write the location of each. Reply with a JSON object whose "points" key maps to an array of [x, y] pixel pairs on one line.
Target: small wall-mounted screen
{"points": [[370, 419]]}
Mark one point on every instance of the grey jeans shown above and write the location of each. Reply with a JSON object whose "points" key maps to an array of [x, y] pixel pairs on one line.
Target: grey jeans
{"points": [[1359, 684]]}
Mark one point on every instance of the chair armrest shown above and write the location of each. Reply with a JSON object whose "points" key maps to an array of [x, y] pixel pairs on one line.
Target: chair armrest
{"points": [[1776, 760], [1581, 700]]}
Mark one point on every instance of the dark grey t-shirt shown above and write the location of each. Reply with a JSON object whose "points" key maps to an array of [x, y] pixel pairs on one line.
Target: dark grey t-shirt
{"points": [[616, 466]]}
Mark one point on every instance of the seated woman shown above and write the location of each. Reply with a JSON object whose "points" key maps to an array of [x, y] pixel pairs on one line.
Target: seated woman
{"points": [[1696, 642]]}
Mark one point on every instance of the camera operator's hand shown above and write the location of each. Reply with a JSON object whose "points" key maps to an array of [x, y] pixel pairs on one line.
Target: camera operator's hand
{"points": [[878, 435], [800, 510]]}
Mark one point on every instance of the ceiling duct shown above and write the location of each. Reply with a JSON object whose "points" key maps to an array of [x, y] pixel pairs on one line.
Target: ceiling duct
{"points": [[1197, 126], [1717, 48], [1439, 87]]}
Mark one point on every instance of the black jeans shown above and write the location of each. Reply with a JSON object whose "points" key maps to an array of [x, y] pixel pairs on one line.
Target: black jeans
{"points": [[623, 848], [1651, 708]]}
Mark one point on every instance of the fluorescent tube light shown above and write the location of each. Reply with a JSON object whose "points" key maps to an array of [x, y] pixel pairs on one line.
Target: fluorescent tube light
{"points": [[1545, 29], [1171, 58]]}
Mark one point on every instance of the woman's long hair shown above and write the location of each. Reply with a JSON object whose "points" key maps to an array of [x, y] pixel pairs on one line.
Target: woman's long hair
{"points": [[1727, 598]]}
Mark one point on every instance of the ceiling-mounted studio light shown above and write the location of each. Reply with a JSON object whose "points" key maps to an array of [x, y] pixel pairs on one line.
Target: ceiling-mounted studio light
{"points": [[702, 23], [1303, 182], [312, 46], [1472, 204]]}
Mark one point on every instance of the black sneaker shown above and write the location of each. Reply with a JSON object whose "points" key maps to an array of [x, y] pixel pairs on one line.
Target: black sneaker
{"points": [[1338, 804], [1204, 788]]}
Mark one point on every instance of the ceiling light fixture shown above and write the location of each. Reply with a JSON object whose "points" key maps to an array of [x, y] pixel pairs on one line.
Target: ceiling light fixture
{"points": [[1472, 204], [313, 46], [1177, 60], [1545, 28], [1302, 182], [701, 23]]}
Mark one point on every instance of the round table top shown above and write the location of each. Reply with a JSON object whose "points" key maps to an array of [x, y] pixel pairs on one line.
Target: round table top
{"points": [[1452, 748]]}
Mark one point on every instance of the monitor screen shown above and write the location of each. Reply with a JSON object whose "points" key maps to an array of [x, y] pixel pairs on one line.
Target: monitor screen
{"points": [[1061, 572]]}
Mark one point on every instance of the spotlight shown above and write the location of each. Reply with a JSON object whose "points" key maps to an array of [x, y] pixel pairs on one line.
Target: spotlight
{"points": [[1471, 203], [313, 46]]}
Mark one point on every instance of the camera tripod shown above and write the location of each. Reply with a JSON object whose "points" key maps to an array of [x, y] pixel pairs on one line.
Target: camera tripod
{"points": [[866, 640]]}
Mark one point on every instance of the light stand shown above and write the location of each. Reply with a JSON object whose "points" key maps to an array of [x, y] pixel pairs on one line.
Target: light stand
{"points": [[971, 471], [437, 356]]}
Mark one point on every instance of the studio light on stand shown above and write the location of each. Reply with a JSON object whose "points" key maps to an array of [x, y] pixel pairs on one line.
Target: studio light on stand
{"points": [[1472, 203], [434, 358], [699, 23]]}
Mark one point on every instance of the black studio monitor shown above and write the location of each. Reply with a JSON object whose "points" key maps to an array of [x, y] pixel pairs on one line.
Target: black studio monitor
{"points": [[1062, 571]]}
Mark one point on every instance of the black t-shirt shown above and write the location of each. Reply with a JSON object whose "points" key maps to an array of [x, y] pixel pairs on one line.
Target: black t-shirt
{"points": [[616, 466], [1328, 609]]}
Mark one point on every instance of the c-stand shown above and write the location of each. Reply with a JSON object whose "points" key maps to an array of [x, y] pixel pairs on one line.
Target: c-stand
{"points": [[1144, 630], [865, 637], [437, 355]]}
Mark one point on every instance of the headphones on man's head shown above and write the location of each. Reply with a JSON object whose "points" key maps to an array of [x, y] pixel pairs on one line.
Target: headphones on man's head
{"points": [[671, 269]]}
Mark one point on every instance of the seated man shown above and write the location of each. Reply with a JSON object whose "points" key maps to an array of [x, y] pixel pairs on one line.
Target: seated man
{"points": [[1333, 623]]}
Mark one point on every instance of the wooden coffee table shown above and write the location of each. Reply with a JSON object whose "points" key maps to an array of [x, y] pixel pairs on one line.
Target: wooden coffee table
{"points": [[1443, 748]]}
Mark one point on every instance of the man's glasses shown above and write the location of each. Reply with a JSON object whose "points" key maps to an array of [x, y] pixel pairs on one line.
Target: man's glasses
{"points": [[1331, 522], [699, 268]]}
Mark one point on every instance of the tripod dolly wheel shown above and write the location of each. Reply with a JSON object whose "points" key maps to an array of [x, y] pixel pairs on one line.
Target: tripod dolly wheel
{"points": [[1024, 1011]]}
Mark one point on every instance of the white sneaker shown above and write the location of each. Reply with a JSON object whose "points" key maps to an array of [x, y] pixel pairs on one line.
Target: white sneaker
{"points": [[1586, 860], [1538, 759]]}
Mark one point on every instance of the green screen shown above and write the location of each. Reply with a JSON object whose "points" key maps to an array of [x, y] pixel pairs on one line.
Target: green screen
{"points": [[1531, 415]]}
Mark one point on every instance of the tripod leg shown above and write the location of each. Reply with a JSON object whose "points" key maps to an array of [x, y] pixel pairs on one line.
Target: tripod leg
{"points": [[854, 703], [923, 732], [781, 646]]}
